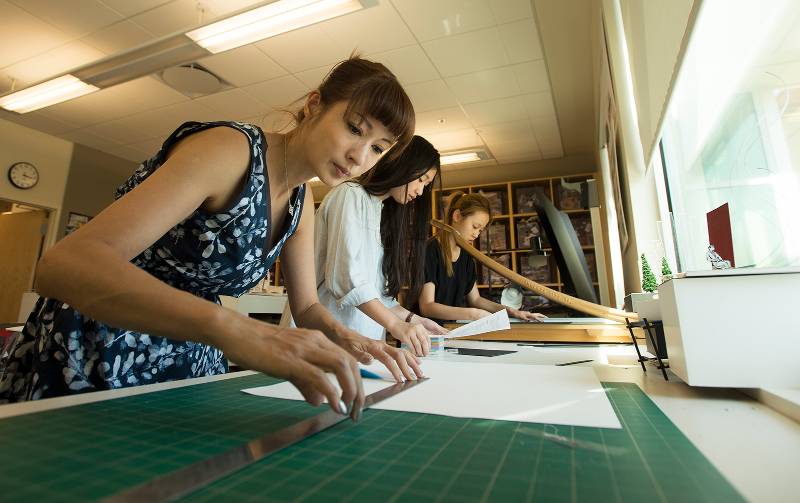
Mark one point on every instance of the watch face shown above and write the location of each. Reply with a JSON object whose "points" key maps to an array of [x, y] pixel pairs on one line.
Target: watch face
{"points": [[23, 175]]}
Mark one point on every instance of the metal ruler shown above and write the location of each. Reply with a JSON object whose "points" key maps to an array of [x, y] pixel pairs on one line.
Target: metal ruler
{"points": [[181, 482]]}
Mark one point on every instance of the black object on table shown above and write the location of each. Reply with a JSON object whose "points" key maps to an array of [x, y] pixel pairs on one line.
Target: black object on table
{"points": [[653, 329], [480, 352]]}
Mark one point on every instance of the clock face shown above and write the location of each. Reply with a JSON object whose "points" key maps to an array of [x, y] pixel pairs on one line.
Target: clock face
{"points": [[23, 175]]}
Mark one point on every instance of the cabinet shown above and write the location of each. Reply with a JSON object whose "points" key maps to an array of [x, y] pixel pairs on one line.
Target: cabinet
{"points": [[507, 239]]}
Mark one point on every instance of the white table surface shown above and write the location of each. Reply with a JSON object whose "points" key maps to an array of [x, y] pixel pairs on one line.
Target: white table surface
{"points": [[756, 448]]}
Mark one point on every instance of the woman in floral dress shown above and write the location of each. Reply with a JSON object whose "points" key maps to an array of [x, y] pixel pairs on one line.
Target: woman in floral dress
{"points": [[132, 297]]}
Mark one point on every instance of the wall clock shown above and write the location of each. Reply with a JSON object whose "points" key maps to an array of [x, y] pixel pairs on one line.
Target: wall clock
{"points": [[23, 175]]}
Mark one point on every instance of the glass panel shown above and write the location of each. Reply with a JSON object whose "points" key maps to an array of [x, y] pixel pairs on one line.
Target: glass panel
{"points": [[732, 133]]}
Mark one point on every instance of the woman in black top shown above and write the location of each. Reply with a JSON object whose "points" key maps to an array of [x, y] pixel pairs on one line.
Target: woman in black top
{"points": [[449, 292]]}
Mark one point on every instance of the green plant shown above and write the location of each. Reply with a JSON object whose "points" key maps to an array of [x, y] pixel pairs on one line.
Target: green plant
{"points": [[665, 270], [649, 283]]}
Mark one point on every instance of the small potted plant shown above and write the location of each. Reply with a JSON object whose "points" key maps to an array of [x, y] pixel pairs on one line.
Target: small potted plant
{"points": [[645, 303]]}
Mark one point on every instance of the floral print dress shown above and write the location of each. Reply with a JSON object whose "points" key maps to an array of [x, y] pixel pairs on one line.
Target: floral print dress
{"points": [[60, 351]]}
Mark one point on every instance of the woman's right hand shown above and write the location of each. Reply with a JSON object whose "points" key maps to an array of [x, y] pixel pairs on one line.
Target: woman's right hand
{"points": [[476, 314], [298, 355], [413, 336]]}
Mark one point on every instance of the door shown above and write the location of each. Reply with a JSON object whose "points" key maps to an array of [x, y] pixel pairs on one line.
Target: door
{"points": [[21, 236]]}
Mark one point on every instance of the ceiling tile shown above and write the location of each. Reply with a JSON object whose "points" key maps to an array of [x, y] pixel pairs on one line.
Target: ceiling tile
{"points": [[24, 35], [515, 132], [53, 63], [540, 105], [514, 158], [440, 121], [510, 10], [89, 139], [542, 125], [521, 40], [115, 102], [495, 111], [128, 8], [313, 78], [120, 131], [430, 96], [485, 85], [373, 29], [118, 37], [74, 18], [550, 144], [272, 122], [233, 104], [409, 64], [442, 18], [129, 153], [467, 52], [169, 18], [303, 49], [243, 66], [159, 123], [150, 146], [222, 8], [279, 93], [455, 140], [532, 76], [37, 121], [515, 149]]}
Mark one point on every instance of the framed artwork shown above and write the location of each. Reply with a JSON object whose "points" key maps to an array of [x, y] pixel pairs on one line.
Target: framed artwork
{"points": [[617, 172], [75, 221]]}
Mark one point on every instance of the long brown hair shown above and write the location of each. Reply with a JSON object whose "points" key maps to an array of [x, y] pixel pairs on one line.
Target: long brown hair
{"points": [[373, 90], [466, 204], [404, 227]]}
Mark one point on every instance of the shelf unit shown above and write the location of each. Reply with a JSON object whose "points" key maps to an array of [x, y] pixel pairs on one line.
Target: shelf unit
{"points": [[514, 222]]}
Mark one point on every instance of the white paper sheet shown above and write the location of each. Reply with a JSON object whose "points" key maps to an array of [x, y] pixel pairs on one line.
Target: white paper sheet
{"points": [[527, 393], [496, 321]]}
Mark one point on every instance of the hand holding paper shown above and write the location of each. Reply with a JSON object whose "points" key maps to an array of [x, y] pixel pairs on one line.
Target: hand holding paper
{"points": [[497, 321]]}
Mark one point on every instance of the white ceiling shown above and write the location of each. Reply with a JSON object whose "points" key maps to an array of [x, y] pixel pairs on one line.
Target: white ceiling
{"points": [[474, 70]]}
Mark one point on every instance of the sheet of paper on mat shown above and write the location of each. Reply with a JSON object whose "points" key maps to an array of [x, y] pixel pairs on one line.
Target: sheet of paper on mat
{"points": [[496, 321], [528, 393]]}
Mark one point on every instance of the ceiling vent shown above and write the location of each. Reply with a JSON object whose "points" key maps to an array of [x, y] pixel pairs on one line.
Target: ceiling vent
{"points": [[193, 80]]}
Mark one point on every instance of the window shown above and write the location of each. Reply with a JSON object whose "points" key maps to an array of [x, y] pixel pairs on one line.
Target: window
{"points": [[732, 133]]}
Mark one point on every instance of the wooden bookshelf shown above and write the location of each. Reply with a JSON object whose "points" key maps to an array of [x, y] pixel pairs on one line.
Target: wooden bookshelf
{"points": [[515, 221]]}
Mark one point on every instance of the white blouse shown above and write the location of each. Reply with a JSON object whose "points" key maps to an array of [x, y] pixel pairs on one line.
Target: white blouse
{"points": [[349, 256]]}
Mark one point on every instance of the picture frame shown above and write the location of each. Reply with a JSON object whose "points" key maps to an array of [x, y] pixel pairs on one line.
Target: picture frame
{"points": [[75, 221]]}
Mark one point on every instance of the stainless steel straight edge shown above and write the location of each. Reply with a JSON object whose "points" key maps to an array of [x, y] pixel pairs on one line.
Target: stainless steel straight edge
{"points": [[186, 480]]}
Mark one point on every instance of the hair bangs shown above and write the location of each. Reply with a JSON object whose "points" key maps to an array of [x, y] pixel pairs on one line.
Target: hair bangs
{"points": [[385, 100]]}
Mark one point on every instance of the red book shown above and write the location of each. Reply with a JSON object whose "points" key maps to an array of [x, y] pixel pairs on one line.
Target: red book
{"points": [[719, 232]]}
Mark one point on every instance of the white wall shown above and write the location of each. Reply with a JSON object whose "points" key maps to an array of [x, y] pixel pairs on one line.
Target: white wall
{"points": [[639, 196], [655, 32], [49, 154]]}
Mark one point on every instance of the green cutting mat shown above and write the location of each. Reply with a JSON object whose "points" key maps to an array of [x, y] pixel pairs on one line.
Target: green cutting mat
{"points": [[90, 451]]}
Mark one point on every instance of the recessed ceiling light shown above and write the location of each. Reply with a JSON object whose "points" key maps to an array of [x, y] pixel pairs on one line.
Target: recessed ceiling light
{"points": [[267, 21], [45, 94], [463, 156]]}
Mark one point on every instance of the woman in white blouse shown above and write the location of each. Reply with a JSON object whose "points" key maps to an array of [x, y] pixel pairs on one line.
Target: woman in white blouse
{"points": [[370, 241]]}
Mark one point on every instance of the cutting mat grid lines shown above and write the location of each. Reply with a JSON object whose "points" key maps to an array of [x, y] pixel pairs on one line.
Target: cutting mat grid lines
{"points": [[95, 450]]}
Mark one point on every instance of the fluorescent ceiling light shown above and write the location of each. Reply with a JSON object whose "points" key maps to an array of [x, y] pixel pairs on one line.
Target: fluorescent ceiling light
{"points": [[459, 158], [45, 94], [267, 21]]}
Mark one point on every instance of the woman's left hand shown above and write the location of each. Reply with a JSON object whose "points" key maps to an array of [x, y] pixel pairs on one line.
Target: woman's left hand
{"points": [[431, 326], [525, 315], [399, 361]]}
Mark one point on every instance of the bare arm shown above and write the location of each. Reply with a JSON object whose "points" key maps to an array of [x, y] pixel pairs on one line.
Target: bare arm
{"points": [[415, 336], [91, 270], [300, 277], [432, 309], [474, 299]]}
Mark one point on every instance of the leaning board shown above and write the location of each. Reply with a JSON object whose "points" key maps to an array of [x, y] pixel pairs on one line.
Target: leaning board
{"points": [[90, 451]]}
